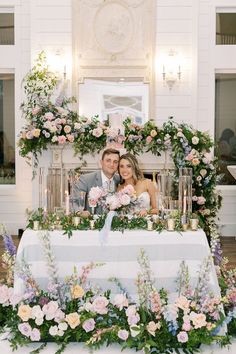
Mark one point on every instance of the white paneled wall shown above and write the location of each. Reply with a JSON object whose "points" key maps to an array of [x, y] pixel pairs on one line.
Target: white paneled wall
{"points": [[176, 29], [186, 26]]}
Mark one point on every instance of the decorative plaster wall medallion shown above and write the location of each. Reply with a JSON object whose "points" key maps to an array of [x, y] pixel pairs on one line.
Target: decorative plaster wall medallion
{"points": [[134, 3], [113, 27], [92, 3]]}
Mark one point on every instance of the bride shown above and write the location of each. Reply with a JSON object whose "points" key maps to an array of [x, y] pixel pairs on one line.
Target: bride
{"points": [[130, 173]]}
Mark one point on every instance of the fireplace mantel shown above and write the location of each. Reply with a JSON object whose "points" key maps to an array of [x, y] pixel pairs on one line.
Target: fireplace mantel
{"points": [[63, 158]]}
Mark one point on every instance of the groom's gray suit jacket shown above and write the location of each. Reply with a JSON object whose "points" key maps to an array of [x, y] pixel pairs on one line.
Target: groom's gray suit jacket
{"points": [[86, 182]]}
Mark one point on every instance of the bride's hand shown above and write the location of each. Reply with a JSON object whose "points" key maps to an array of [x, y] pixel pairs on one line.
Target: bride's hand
{"points": [[143, 213], [154, 211]]}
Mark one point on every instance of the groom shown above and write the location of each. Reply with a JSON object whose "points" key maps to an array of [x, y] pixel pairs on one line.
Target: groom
{"points": [[106, 177]]}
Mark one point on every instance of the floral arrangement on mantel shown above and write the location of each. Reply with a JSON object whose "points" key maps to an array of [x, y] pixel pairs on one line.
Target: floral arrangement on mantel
{"points": [[74, 310], [54, 123]]}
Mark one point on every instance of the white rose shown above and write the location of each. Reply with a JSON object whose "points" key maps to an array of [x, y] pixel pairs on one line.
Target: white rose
{"points": [[195, 140]]}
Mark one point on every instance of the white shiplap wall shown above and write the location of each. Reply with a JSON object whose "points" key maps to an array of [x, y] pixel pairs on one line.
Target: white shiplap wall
{"points": [[186, 26]]}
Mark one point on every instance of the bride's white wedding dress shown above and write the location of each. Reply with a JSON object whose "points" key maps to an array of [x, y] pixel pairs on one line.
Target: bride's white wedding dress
{"points": [[144, 201]]}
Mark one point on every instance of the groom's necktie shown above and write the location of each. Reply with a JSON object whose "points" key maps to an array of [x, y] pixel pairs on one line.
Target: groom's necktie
{"points": [[110, 185]]}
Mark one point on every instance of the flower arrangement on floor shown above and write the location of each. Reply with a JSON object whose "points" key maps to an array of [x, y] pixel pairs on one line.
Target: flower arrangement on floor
{"points": [[73, 310]]}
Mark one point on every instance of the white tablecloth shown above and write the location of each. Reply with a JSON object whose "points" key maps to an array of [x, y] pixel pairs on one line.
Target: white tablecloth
{"points": [[75, 348], [165, 250]]}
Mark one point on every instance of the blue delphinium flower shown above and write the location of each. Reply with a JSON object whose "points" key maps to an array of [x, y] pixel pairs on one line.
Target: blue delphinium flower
{"points": [[9, 244]]}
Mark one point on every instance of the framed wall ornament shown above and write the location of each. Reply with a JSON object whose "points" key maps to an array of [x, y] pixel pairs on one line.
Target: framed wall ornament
{"points": [[113, 27], [113, 38]]}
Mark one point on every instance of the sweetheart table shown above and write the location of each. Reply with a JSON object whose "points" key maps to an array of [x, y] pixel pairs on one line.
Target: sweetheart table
{"points": [[119, 254]]}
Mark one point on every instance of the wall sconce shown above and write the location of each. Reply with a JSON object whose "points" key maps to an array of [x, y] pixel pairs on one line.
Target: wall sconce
{"points": [[57, 63], [171, 69]]}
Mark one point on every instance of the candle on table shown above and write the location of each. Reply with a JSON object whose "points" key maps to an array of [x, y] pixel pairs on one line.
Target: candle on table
{"points": [[45, 200], [170, 224], [67, 202], [149, 225], [185, 202]]}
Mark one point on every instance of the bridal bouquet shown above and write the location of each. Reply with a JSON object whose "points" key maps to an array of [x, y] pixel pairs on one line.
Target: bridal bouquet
{"points": [[125, 199]]}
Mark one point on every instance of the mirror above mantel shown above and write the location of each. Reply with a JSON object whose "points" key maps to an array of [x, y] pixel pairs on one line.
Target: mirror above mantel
{"points": [[114, 98], [113, 57]]}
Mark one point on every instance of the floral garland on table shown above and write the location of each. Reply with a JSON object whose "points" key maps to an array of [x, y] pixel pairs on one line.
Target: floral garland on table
{"points": [[54, 123], [73, 310]]}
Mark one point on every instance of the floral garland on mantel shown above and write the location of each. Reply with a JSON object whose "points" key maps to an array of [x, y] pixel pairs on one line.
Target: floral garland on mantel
{"points": [[49, 121]]}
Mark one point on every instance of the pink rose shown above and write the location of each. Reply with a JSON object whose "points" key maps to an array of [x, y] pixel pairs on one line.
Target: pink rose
{"points": [[61, 139], [131, 310], [187, 326], [50, 309], [133, 319], [123, 334], [97, 132], [100, 305], [125, 199], [70, 138], [4, 294], [148, 139], [201, 200], [189, 157], [198, 319], [29, 135], [67, 129], [89, 325], [35, 110], [120, 301], [182, 337], [152, 327], [129, 189], [183, 303], [49, 116]]}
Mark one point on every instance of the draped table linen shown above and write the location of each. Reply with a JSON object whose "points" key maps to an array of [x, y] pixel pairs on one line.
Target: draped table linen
{"points": [[165, 251]]}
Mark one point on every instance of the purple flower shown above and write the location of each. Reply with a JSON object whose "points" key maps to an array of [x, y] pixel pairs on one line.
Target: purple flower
{"points": [[35, 335], [9, 244], [25, 329], [43, 301]]}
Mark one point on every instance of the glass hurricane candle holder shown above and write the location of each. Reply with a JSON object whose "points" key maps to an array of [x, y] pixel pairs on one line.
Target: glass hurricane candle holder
{"points": [[170, 224], [194, 224], [149, 225], [76, 220], [185, 227], [92, 224], [185, 195], [36, 225]]}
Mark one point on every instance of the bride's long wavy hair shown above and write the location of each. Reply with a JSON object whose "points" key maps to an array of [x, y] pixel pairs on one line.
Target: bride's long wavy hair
{"points": [[137, 173]]}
